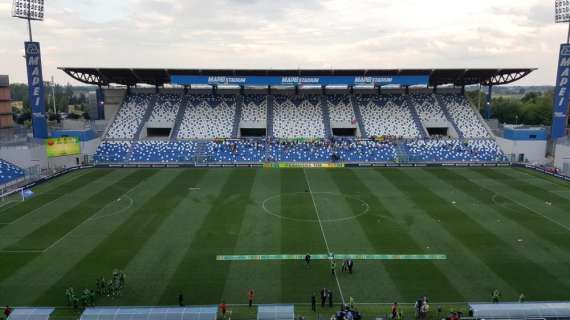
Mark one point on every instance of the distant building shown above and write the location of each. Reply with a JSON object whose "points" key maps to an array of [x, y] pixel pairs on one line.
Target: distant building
{"points": [[6, 120]]}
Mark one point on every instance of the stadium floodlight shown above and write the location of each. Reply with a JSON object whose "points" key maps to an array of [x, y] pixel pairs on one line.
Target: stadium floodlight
{"points": [[29, 10], [562, 11]]}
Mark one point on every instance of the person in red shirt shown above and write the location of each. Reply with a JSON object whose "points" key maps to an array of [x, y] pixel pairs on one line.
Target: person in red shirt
{"points": [[223, 308], [7, 311], [395, 311], [250, 296]]}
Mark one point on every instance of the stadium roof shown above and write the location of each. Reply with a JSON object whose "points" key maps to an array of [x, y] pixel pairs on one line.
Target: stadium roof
{"points": [[159, 77]]}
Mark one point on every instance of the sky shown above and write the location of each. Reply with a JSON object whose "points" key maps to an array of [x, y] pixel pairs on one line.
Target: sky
{"points": [[363, 34]]}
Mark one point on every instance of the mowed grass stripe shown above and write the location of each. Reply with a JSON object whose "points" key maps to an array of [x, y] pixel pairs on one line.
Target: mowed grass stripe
{"points": [[49, 195], [297, 281], [48, 234], [125, 242], [532, 176], [465, 271], [260, 234], [160, 256], [499, 256], [48, 268], [393, 238], [533, 190], [530, 221], [219, 234]]}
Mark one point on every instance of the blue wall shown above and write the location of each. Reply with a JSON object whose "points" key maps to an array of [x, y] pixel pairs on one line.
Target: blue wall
{"points": [[525, 134], [84, 135]]}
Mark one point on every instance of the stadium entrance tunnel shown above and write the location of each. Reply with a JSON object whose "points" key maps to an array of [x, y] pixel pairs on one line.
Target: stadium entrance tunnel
{"points": [[253, 132], [344, 132], [299, 206]]}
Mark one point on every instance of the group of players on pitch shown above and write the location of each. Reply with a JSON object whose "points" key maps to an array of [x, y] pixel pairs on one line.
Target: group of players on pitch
{"points": [[110, 288], [347, 264]]}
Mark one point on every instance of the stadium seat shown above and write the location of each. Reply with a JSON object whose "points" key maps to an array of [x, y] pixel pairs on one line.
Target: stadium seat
{"points": [[112, 151], [208, 117], [129, 117], [387, 115], [160, 151], [464, 116], [254, 108], [9, 172], [298, 117]]}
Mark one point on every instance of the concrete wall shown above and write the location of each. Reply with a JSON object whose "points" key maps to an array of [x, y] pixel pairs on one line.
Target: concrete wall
{"points": [[562, 158], [31, 155], [534, 151]]}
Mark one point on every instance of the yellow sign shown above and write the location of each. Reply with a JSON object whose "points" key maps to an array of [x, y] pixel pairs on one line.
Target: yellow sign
{"points": [[63, 146]]}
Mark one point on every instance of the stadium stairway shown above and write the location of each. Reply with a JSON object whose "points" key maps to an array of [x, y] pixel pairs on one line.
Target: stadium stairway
{"points": [[201, 154], [358, 116], [326, 116], [417, 120], [270, 100], [237, 116], [402, 154], [146, 116], [179, 118], [448, 116]]}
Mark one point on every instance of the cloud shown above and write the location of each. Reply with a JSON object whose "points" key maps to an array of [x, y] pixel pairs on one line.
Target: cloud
{"points": [[289, 34]]}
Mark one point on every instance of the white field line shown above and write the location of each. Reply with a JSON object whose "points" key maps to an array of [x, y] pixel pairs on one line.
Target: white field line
{"points": [[94, 218], [322, 232], [534, 211], [35, 210]]}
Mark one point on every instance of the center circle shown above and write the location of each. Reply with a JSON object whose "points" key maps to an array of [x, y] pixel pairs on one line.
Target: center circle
{"points": [[300, 206]]}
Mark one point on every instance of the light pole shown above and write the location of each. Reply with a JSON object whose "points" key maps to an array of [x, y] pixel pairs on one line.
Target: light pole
{"points": [[28, 10]]}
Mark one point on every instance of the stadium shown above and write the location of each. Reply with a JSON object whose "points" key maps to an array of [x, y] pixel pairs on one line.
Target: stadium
{"points": [[283, 194]]}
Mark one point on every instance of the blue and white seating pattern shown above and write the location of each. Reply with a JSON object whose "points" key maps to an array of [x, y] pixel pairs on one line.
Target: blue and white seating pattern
{"points": [[9, 172], [165, 110], [251, 150], [112, 151], [452, 150], [340, 108], [298, 117], [129, 117], [159, 151], [208, 117], [293, 151], [387, 116], [254, 108], [427, 108], [465, 117], [349, 150]]}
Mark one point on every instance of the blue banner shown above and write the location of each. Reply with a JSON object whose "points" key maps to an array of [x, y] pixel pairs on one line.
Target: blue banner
{"points": [[561, 94], [36, 89], [303, 80]]}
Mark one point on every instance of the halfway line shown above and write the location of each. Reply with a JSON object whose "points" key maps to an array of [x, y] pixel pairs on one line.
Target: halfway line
{"points": [[322, 231]]}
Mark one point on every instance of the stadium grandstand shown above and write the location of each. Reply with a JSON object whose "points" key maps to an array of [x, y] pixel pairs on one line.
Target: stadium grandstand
{"points": [[181, 117]]}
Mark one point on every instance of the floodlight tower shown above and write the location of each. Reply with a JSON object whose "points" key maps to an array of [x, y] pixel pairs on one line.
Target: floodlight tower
{"points": [[33, 10], [562, 91]]}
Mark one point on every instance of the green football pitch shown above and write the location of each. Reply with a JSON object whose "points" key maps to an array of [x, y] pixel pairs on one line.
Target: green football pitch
{"points": [[179, 231]]}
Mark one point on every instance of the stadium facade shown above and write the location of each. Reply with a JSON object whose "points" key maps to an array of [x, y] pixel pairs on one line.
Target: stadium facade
{"points": [[288, 116]]}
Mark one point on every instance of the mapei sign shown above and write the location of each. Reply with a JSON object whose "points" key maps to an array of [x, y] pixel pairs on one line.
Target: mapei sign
{"points": [[300, 80], [36, 89], [562, 93]]}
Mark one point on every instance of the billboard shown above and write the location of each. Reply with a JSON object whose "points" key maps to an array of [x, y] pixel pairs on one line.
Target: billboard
{"points": [[36, 89], [63, 146], [561, 94], [303, 80]]}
